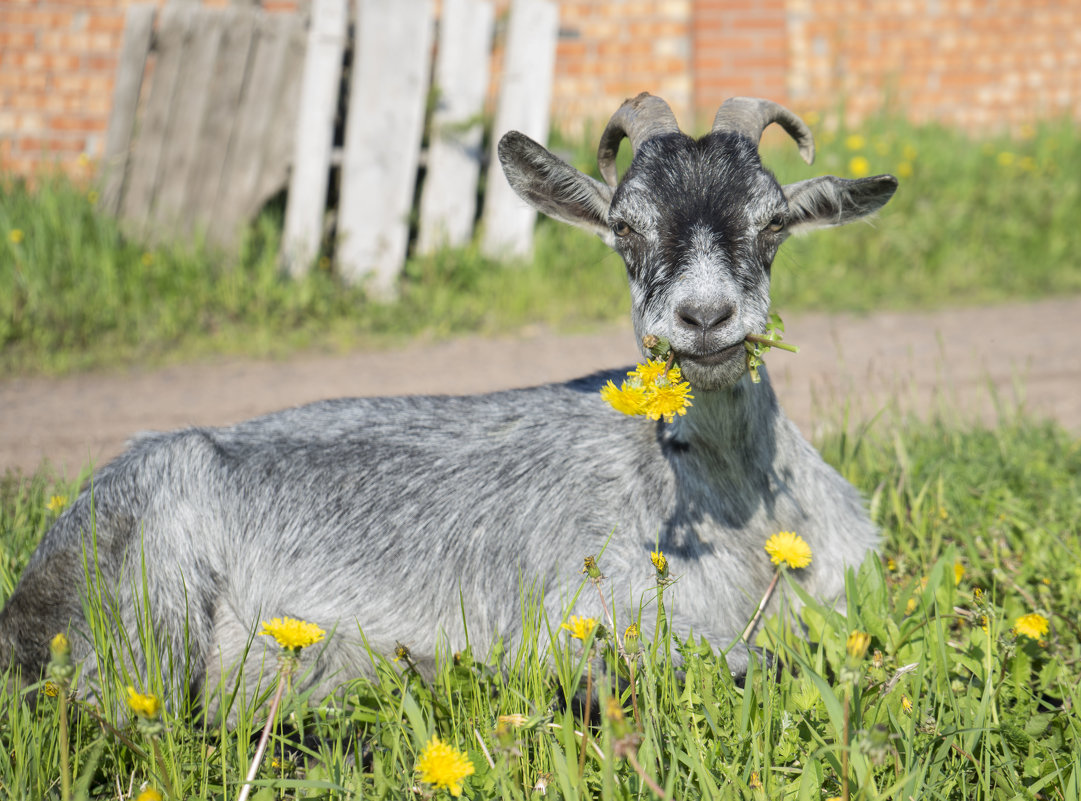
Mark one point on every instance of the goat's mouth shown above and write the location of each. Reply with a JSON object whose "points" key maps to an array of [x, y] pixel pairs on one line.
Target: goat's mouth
{"points": [[713, 358]]}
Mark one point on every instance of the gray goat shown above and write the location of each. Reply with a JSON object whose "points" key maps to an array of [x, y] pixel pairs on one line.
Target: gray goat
{"points": [[388, 520]]}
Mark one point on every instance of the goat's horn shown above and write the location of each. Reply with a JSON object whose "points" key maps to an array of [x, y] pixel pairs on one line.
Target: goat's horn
{"points": [[639, 119], [750, 116]]}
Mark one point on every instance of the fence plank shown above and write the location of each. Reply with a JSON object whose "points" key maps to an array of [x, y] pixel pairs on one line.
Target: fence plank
{"points": [[449, 197], [382, 138], [244, 166], [314, 135], [181, 139], [524, 100], [220, 121], [131, 66], [281, 133], [174, 25]]}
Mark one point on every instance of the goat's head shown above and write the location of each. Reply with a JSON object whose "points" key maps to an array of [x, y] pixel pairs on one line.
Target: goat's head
{"points": [[697, 222]]}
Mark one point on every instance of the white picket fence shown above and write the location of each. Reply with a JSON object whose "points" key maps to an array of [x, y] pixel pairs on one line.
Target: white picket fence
{"points": [[196, 143]]}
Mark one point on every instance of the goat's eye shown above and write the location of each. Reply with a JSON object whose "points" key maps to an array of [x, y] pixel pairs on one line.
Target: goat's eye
{"points": [[776, 224], [621, 229]]}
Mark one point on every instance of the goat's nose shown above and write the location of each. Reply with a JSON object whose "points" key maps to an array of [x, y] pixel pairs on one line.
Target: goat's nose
{"points": [[704, 318]]}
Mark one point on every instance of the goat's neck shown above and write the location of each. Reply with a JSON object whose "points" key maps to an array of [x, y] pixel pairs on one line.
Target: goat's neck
{"points": [[730, 420]]}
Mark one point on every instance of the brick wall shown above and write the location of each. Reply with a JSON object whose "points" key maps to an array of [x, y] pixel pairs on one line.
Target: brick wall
{"points": [[972, 63]]}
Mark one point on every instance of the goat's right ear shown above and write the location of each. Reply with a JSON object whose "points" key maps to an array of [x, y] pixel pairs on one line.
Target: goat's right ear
{"points": [[553, 187]]}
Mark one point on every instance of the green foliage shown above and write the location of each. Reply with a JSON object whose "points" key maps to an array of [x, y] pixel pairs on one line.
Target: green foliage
{"points": [[948, 702], [974, 221]]}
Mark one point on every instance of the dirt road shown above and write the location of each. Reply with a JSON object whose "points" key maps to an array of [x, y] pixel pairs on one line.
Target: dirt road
{"points": [[961, 363]]}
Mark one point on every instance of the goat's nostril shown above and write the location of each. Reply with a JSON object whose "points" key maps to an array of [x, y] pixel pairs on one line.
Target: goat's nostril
{"points": [[704, 318]]}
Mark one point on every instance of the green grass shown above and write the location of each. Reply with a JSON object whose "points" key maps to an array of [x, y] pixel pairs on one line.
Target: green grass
{"points": [[969, 225], [980, 526]]}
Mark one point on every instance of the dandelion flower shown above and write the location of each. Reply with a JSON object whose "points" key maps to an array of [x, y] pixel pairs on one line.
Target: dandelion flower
{"points": [[56, 503], [790, 548], [958, 572], [651, 389], [910, 607], [667, 400], [15, 236], [441, 765], [755, 782], [659, 560], [857, 643], [145, 706], [859, 166], [1033, 625], [904, 169], [580, 627], [149, 794], [292, 634], [627, 399], [906, 704]]}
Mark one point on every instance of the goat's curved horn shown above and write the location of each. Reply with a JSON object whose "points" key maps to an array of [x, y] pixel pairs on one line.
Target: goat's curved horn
{"points": [[750, 116], [639, 119]]}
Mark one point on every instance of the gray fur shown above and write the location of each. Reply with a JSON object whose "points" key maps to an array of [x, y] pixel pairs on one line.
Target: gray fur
{"points": [[382, 519]]}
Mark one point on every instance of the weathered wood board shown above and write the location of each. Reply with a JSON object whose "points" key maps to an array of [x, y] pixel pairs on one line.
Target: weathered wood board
{"points": [[448, 203], [388, 90], [524, 99], [315, 135]]}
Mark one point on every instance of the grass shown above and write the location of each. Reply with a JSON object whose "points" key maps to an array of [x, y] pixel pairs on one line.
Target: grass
{"points": [[975, 221], [946, 702]]}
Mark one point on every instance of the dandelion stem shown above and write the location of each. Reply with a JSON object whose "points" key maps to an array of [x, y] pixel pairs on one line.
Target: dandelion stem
{"points": [[65, 764], [761, 606], [245, 791], [483, 748], [844, 751], [656, 788], [773, 343], [585, 721]]}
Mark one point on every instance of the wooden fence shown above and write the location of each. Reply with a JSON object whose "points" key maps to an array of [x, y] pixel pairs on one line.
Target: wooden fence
{"points": [[217, 110]]}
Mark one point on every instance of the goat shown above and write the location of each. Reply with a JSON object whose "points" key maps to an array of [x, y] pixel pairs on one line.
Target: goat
{"points": [[389, 520]]}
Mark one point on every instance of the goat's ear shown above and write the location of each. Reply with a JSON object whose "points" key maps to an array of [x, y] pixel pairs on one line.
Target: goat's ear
{"points": [[553, 187], [827, 201]]}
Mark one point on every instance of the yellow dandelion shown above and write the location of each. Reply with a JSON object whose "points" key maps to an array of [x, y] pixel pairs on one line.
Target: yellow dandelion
{"points": [[790, 548], [891, 565], [292, 634], [904, 169], [857, 643], [667, 401], [147, 259], [631, 632], [149, 794], [51, 689], [659, 560], [1033, 625], [1027, 163], [755, 782], [909, 153], [145, 706], [59, 646], [910, 607], [812, 118], [648, 373], [580, 627], [92, 197], [958, 573], [906, 704], [56, 503], [441, 765], [1005, 158], [627, 399], [859, 166], [15, 236], [855, 142]]}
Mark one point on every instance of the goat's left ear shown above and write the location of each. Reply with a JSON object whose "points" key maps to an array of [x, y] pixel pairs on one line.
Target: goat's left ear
{"points": [[554, 187], [827, 200]]}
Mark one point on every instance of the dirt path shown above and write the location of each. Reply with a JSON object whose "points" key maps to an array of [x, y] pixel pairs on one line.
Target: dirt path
{"points": [[961, 363]]}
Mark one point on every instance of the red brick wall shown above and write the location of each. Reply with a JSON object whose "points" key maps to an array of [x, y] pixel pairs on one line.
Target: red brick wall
{"points": [[971, 63], [965, 62]]}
